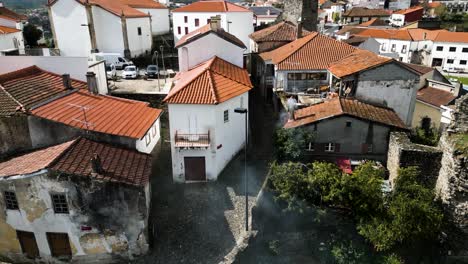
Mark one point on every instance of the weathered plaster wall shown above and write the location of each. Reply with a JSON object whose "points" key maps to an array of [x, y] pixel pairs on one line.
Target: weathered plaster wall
{"points": [[14, 135], [116, 213]]}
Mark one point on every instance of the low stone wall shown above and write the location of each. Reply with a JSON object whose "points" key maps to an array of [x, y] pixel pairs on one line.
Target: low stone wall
{"points": [[403, 153]]}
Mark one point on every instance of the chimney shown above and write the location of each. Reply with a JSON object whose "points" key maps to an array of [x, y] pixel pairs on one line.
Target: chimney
{"points": [[96, 165], [92, 84], [299, 28], [215, 23], [66, 81]]}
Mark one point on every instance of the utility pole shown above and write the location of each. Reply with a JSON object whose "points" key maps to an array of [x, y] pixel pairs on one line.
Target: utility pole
{"points": [[164, 66]]}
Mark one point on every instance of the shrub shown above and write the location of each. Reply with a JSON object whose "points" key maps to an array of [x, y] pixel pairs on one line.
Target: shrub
{"points": [[291, 143]]}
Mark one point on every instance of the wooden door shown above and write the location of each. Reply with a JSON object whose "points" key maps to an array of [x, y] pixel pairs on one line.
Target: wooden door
{"points": [[195, 169], [28, 244], [59, 244]]}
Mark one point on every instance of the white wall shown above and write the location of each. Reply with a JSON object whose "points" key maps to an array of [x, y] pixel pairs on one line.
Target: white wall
{"points": [[226, 138], [152, 137], [139, 44], [159, 20], [206, 48], [72, 38], [108, 28], [397, 19], [8, 23], [386, 47], [241, 26], [99, 69], [261, 20], [446, 55], [178, 21], [7, 41], [75, 66]]}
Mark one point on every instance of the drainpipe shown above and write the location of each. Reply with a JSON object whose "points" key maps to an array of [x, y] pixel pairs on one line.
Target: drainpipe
{"points": [[92, 32], [125, 36]]}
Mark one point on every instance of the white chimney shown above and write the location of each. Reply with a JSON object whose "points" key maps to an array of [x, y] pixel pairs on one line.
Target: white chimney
{"points": [[215, 23]]}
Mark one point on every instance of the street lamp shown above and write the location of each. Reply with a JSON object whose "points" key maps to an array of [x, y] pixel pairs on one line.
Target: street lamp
{"points": [[155, 58], [241, 110]]}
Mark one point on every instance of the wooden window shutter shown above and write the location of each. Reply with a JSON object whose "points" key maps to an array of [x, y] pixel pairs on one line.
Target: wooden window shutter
{"points": [[337, 147], [364, 148], [319, 147]]}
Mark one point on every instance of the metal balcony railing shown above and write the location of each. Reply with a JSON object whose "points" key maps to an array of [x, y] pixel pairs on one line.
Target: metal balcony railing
{"points": [[192, 140]]}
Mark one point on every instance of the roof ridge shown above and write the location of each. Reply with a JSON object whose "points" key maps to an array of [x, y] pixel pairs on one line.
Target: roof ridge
{"points": [[224, 75], [52, 162], [213, 92], [11, 96]]}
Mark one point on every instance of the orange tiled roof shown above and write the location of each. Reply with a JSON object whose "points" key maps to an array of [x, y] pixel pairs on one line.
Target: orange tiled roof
{"points": [[212, 6], [401, 34], [145, 4], [433, 4], [358, 61], [118, 164], [447, 36], [435, 97], [11, 15], [32, 162], [205, 30], [31, 86], [409, 10], [424, 34], [212, 82], [350, 107], [313, 52], [366, 12], [105, 114], [283, 31], [8, 30]]}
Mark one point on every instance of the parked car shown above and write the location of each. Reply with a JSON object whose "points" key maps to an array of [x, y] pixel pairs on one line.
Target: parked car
{"points": [[453, 69], [152, 71], [130, 72], [115, 58], [111, 72]]}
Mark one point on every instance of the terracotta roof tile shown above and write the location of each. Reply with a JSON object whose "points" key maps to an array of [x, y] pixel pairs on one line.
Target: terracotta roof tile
{"points": [[212, 6], [420, 69], [11, 15], [341, 106], [211, 82], [435, 97], [434, 4], [357, 61], [205, 30], [313, 52], [146, 4], [366, 12], [409, 10], [424, 34], [351, 29], [8, 30], [401, 34], [32, 162], [106, 114], [32, 86], [276, 36], [118, 164], [373, 22], [447, 36]]}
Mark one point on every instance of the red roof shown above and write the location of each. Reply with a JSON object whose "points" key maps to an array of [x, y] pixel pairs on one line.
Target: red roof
{"points": [[105, 114], [435, 97], [212, 82], [366, 12], [11, 15], [32, 162], [118, 164], [401, 34], [312, 52], [212, 6], [448, 36], [357, 61], [8, 30], [350, 107], [205, 30], [74, 158], [409, 10], [433, 4]]}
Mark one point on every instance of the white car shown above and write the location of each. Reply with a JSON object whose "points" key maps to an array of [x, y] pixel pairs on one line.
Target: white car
{"points": [[130, 72], [111, 71]]}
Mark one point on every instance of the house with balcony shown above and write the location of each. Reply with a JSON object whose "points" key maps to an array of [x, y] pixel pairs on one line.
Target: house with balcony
{"points": [[11, 31], [205, 132]]}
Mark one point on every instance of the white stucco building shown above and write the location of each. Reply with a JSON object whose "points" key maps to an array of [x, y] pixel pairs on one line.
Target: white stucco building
{"points": [[122, 26], [11, 35], [205, 132], [235, 19], [206, 42], [450, 51]]}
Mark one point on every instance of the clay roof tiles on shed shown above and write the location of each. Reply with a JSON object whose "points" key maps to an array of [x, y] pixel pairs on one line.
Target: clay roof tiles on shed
{"points": [[342, 106], [312, 52], [212, 6], [205, 30], [435, 97], [212, 82], [105, 114], [357, 61]]}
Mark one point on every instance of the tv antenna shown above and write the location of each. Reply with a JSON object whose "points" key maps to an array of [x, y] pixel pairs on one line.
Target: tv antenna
{"points": [[85, 122]]}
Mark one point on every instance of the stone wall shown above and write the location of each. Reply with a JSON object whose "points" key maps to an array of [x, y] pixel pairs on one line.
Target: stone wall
{"points": [[304, 9], [14, 135], [403, 153]]}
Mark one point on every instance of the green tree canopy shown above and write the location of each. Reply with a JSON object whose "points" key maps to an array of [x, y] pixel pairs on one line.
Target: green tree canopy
{"points": [[291, 143], [31, 34]]}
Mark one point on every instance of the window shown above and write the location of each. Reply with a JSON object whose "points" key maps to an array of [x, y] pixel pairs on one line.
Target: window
{"points": [[185, 19], [401, 58], [403, 49], [393, 47], [439, 48], [208, 20], [186, 30], [384, 47], [226, 116], [449, 61], [452, 49], [11, 202], [179, 30], [465, 50], [462, 62], [139, 31], [307, 76], [310, 147], [197, 22], [348, 123], [154, 130], [59, 201], [148, 139], [330, 147]]}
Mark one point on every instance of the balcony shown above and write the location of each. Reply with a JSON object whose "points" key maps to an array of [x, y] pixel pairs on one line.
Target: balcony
{"points": [[192, 141]]}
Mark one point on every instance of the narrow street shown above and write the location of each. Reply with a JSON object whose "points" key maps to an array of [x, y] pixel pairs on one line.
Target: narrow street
{"points": [[201, 222]]}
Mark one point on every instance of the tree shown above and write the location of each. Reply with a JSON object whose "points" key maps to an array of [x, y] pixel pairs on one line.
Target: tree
{"points": [[326, 178], [31, 34], [292, 143]]}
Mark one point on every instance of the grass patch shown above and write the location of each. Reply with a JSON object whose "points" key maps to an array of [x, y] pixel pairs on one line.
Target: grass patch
{"points": [[463, 80], [461, 142]]}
